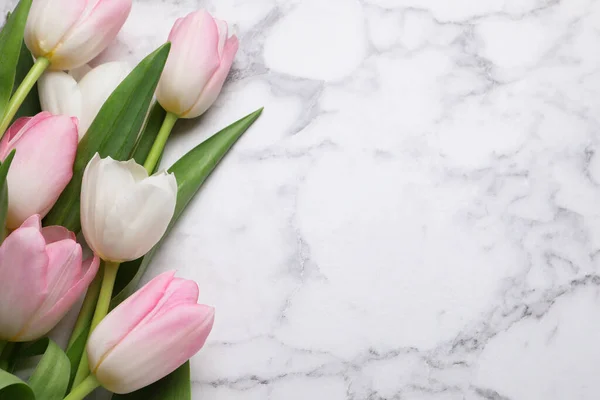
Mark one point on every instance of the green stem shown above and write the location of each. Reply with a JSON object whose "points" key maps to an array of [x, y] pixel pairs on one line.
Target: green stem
{"points": [[86, 387], [22, 91], [159, 142], [87, 309], [3, 343], [6, 354], [108, 283]]}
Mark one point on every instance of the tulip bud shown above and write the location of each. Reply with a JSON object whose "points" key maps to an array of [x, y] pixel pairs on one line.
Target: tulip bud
{"points": [[149, 335], [43, 165], [200, 58], [61, 93], [124, 212], [41, 277], [70, 33]]}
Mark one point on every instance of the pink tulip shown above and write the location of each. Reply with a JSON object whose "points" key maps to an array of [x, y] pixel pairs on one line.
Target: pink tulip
{"points": [[69, 33], [200, 58], [43, 164], [149, 335], [41, 277]]}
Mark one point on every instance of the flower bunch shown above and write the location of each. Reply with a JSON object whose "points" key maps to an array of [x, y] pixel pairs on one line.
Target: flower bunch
{"points": [[81, 154]]}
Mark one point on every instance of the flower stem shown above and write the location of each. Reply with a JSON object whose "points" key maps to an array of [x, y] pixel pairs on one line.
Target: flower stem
{"points": [[87, 309], [6, 354], [84, 388], [159, 142], [22, 91], [108, 283]]}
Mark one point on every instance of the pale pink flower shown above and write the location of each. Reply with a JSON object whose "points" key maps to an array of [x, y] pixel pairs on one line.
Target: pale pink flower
{"points": [[43, 165], [200, 58], [41, 277], [70, 33], [149, 335]]}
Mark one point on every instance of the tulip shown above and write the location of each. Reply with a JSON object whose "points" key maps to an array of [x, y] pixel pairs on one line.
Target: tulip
{"points": [[124, 212], [70, 33], [41, 277], [61, 93], [149, 335], [43, 164], [200, 58]]}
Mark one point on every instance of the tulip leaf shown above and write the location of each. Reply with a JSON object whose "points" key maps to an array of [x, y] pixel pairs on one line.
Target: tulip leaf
{"points": [[13, 388], [31, 104], [11, 38], [148, 136], [175, 386], [50, 379], [191, 172], [4, 193], [76, 349], [113, 132]]}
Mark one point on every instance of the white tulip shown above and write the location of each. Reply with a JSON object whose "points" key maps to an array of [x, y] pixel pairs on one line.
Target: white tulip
{"points": [[124, 212], [62, 93]]}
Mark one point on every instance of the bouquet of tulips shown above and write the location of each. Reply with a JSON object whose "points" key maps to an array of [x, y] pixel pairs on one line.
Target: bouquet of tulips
{"points": [[79, 152]]}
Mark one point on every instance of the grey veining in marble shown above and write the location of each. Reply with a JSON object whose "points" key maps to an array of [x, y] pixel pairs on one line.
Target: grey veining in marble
{"points": [[415, 216]]}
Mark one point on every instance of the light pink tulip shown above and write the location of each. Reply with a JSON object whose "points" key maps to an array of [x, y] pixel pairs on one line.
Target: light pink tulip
{"points": [[43, 165], [70, 33], [41, 277], [149, 335], [200, 58]]}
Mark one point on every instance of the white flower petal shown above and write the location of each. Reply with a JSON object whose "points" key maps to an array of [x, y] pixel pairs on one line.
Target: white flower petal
{"points": [[124, 213], [60, 94], [96, 86]]}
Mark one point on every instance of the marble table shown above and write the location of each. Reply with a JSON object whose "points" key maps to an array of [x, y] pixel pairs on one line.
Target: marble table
{"points": [[415, 216]]}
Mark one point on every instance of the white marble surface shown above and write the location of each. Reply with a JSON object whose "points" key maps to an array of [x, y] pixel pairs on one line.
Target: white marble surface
{"points": [[416, 215]]}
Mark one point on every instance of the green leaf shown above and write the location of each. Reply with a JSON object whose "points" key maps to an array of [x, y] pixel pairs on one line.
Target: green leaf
{"points": [[175, 386], [113, 133], [4, 193], [147, 138], [76, 349], [31, 104], [50, 379], [191, 171], [13, 388], [11, 38]]}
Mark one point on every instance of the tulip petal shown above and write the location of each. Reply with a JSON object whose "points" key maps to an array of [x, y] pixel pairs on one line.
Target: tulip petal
{"points": [[179, 292], [223, 34], [59, 94], [96, 86], [139, 218], [23, 262], [124, 318], [104, 181], [88, 201], [193, 59], [48, 22], [99, 25], [56, 233], [156, 349], [47, 318], [16, 130], [12, 131], [79, 72], [35, 221], [64, 261], [42, 167], [215, 84]]}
